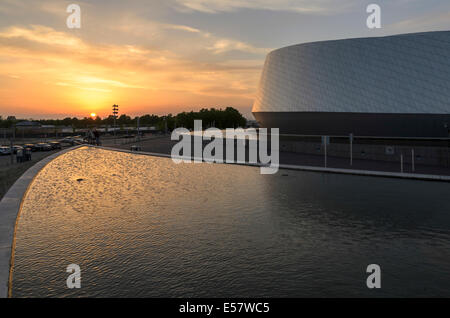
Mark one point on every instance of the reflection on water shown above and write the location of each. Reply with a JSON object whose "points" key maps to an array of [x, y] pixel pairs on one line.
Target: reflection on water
{"points": [[143, 226]]}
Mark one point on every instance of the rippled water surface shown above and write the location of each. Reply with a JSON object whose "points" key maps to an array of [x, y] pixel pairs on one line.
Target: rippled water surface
{"points": [[143, 226]]}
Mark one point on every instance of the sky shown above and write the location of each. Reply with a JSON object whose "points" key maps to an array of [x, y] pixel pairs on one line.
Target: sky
{"points": [[169, 56]]}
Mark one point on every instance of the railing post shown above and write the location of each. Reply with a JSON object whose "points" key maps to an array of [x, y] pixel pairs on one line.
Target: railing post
{"points": [[324, 142], [351, 149], [401, 163], [11, 149]]}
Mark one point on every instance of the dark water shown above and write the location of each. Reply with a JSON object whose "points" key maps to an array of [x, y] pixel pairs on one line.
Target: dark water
{"points": [[146, 227]]}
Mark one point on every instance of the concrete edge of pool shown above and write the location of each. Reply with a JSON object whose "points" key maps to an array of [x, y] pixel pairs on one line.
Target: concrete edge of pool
{"points": [[10, 206], [385, 174]]}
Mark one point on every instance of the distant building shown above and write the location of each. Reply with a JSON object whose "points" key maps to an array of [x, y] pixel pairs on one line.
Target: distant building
{"points": [[395, 86], [66, 129], [28, 125], [252, 123], [31, 128]]}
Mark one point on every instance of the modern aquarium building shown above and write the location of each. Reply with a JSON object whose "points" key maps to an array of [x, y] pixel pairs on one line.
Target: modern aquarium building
{"points": [[397, 86]]}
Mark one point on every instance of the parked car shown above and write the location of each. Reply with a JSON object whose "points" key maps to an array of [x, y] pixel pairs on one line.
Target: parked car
{"points": [[42, 146], [55, 145], [16, 147], [68, 140], [4, 150], [31, 146]]}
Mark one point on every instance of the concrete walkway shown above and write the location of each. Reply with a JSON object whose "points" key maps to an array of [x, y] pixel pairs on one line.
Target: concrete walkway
{"points": [[361, 172], [162, 146], [9, 173]]}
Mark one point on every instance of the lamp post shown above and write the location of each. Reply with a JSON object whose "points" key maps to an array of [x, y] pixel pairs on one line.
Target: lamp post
{"points": [[13, 136], [325, 141], [138, 129], [351, 149], [115, 111]]}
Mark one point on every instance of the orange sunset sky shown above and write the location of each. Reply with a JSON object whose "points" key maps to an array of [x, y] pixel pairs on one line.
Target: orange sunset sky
{"points": [[167, 56], [118, 56]]}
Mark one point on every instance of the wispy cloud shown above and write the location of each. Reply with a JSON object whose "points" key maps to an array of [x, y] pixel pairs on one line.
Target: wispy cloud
{"points": [[300, 6], [182, 28], [189, 40], [42, 34], [440, 21], [82, 72], [225, 45]]}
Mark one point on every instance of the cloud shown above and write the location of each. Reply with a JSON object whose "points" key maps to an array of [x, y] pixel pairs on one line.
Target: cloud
{"points": [[300, 6], [426, 22], [42, 34], [59, 66], [182, 28], [226, 45], [121, 54], [10, 6], [189, 41]]}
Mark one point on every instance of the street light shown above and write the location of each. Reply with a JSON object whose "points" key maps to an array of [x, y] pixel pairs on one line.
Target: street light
{"points": [[13, 136], [115, 111]]}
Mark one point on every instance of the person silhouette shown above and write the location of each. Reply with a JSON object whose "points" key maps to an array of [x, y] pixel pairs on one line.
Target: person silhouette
{"points": [[97, 137]]}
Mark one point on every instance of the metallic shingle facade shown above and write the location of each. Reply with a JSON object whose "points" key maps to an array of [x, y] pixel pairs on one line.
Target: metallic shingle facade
{"points": [[401, 74]]}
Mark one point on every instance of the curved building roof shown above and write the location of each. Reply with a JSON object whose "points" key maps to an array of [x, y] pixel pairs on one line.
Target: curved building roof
{"points": [[407, 73]]}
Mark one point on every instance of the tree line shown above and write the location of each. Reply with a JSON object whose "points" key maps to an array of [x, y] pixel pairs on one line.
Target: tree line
{"points": [[219, 118]]}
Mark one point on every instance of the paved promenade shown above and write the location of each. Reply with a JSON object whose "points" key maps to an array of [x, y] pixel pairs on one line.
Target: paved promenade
{"points": [[163, 145], [10, 172]]}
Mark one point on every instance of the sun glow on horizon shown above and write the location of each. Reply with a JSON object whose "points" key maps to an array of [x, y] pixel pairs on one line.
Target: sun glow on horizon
{"points": [[68, 72]]}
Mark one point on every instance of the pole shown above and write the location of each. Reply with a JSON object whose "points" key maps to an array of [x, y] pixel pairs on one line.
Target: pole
{"points": [[351, 149], [13, 136], [115, 109], [401, 163], [12, 151], [114, 129], [412, 161], [324, 138], [138, 125]]}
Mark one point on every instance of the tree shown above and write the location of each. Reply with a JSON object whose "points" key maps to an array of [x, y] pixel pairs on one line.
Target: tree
{"points": [[212, 117]]}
